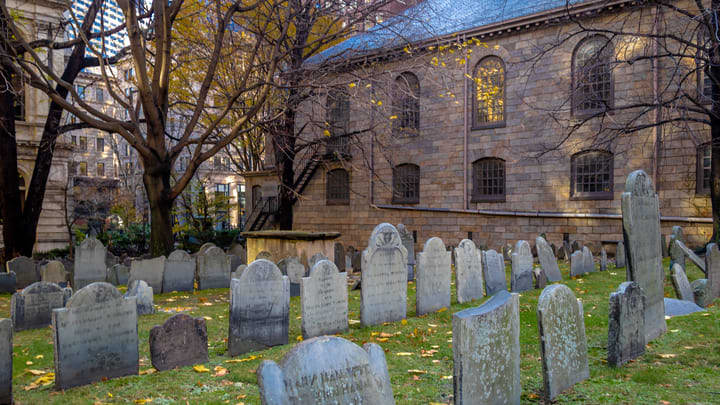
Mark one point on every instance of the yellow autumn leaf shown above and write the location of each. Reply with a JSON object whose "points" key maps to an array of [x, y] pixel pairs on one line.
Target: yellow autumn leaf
{"points": [[299, 338], [379, 103], [393, 117], [351, 85], [148, 371], [386, 335], [110, 395], [403, 354], [382, 340], [326, 133], [447, 377], [441, 310], [143, 401], [39, 356], [207, 318], [36, 372], [404, 322], [414, 371], [201, 369]]}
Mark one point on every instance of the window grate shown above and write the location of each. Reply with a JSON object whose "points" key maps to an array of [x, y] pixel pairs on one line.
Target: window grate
{"points": [[592, 175], [406, 105], [337, 187], [406, 184], [489, 94], [593, 75], [489, 180]]}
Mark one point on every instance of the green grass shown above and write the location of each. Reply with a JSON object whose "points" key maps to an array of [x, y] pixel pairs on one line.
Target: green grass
{"points": [[683, 366]]}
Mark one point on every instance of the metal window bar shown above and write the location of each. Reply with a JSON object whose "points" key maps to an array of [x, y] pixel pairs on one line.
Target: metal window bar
{"points": [[489, 177], [407, 183], [338, 189], [593, 173]]}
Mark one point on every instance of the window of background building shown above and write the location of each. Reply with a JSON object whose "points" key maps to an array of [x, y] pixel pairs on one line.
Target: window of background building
{"points": [[488, 180], [128, 168], [406, 184], [337, 187], [80, 90], [406, 105], [18, 88], [489, 93], [222, 189], [73, 139], [83, 143], [82, 168], [99, 95], [591, 175], [704, 167], [592, 76], [100, 144], [338, 116], [101, 169]]}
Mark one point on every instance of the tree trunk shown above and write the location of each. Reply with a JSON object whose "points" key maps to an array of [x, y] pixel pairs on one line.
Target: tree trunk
{"points": [[284, 148], [157, 186], [10, 206], [715, 139]]}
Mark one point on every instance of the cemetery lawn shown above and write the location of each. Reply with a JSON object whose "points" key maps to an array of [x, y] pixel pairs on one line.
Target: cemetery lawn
{"points": [[683, 366]]}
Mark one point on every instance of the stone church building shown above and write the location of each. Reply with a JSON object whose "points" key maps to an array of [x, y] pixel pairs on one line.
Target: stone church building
{"points": [[497, 121]]}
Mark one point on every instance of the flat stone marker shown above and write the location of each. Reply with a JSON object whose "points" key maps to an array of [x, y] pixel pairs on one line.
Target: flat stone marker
{"points": [[675, 307], [179, 274], [339, 256], [53, 272], [701, 292], [493, 267], [181, 341], [486, 352], [712, 267], [577, 264], [620, 261], [213, 269], [681, 283], [6, 364], [521, 277], [433, 277], [295, 270], [588, 260], [8, 282], [95, 337], [641, 229], [143, 294], [118, 274], [384, 277], [316, 258], [26, 271], [150, 271], [259, 308], [540, 278], [603, 260], [89, 263], [691, 255], [563, 345], [468, 272], [626, 326], [547, 260], [327, 370], [407, 240], [324, 302], [32, 307]]}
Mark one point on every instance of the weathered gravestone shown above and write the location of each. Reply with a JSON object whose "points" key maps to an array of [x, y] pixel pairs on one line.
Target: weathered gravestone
{"points": [[32, 307], [204, 248], [681, 284], [563, 345], [118, 274], [239, 271], [626, 326], [53, 272], [95, 337], [620, 261], [234, 261], [577, 264], [521, 277], [213, 269], [26, 271], [179, 272], [327, 370], [339, 256], [676, 254], [691, 255], [259, 308], [675, 307], [6, 361], [324, 302], [547, 260], [676, 234], [712, 269], [407, 240], [8, 282], [150, 271], [181, 341], [295, 270], [143, 294], [239, 251], [664, 246], [433, 277], [575, 246], [493, 267], [486, 352], [588, 260], [540, 280], [384, 277], [357, 261], [264, 255], [315, 259], [701, 292], [603, 260], [468, 272], [641, 230], [89, 263], [507, 251]]}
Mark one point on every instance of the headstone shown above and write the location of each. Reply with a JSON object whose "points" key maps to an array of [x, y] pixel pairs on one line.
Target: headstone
{"points": [[407, 240], [603, 260], [264, 255], [53, 272], [468, 272], [664, 246], [540, 278], [576, 245], [32, 307], [234, 261], [486, 352], [577, 264], [563, 345], [89, 263], [324, 302], [316, 258], [95, 337], [620, 261], [626, 326], [118, 274], [690, 254], [493, 268], [547, 260], [259, 308], [562, 253], [339, 256], [384, 277], [327, 370], [239, 251], [701, 292], [433, 277], [179, 272], [111, 259], [357, 261], [205, 247], [521, 278], [566, 248], [6, 361], [295, 270], [588, 260], [507, 251], [712, 269], [681, 284], [26, 271], [8, 282], [641, 230], [676, 254], [143, 294], [348, 263], [676, 234], [150, 271], [181, 341], [213, 269], [239, 271], [675, 307]]}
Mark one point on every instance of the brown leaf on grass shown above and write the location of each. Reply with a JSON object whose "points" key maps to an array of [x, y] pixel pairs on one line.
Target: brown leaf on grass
{"points": [[415, 371], [386, 335], [148, 371], [667, 355], [36, 372], [381, 340], [220, 371]]}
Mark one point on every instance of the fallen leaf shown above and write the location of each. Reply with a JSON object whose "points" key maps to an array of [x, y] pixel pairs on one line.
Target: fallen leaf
{"points": [[382, 340], [415, 371], [148, 371], [667, 355], [441, 310], [386, 335], [403, 354], [110, 395], [39, 356], [207, 318], [299, 338], [220, 371], [353, 321], [404, 322], [36, 372], [201, 369], [143, 401], [447, 377]]}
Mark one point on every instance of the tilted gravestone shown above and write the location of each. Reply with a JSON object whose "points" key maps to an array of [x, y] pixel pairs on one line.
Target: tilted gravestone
{"points": [[295, 270], [213, 269], [433, 277], [626, 326], [468, 272], [681, 284], [691, 255], [712, 267], [316, 258], [8, 282], [53, 272], [259, 308], [179, 274], [6, 361], [588, 260], [577, 264], [701, 292], [563, 345], [407, 240], [150, 271], [540, 280], [664, 246], [118, 274], [95, 337], [89, 263], [493, 267], [384, 277], [32, 307], [547, 260], [26, 271], [486, 352], [641, 229], [339, 256], [324, 302], [620, 260], [521, 277], [327, 370], [143, 294], [181, 341], [603, 260]]}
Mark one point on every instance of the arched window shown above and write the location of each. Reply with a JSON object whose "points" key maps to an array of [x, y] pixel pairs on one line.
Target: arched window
{"points": [[591, 175], [256, 196], [489, 93], [593, 86], [337, 187], [488, 176], [704, 167], [406, 184], [406, 105], [338, 116]]}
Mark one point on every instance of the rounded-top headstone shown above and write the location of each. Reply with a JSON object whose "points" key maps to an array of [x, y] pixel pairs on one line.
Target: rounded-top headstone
{"points": [[54, 272], [323, 267], [179, 255], [204, 248], [293, 268], [94, 293], [41, 287], [264, 255], [261, 270]]}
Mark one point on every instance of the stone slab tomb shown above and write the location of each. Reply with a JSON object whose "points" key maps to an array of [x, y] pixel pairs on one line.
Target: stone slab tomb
{"points": [[384, 277], [468, 272], [32, 307], [433, 277], [327, 370], [521, 277], [150, 271], [89, 263], [493, 267], [181, 341], [675, 307], [213, 269], [626, 326], [295, 270], [143, 294], [547, 260], [324, 301], [26, 271], [179, 274]]}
